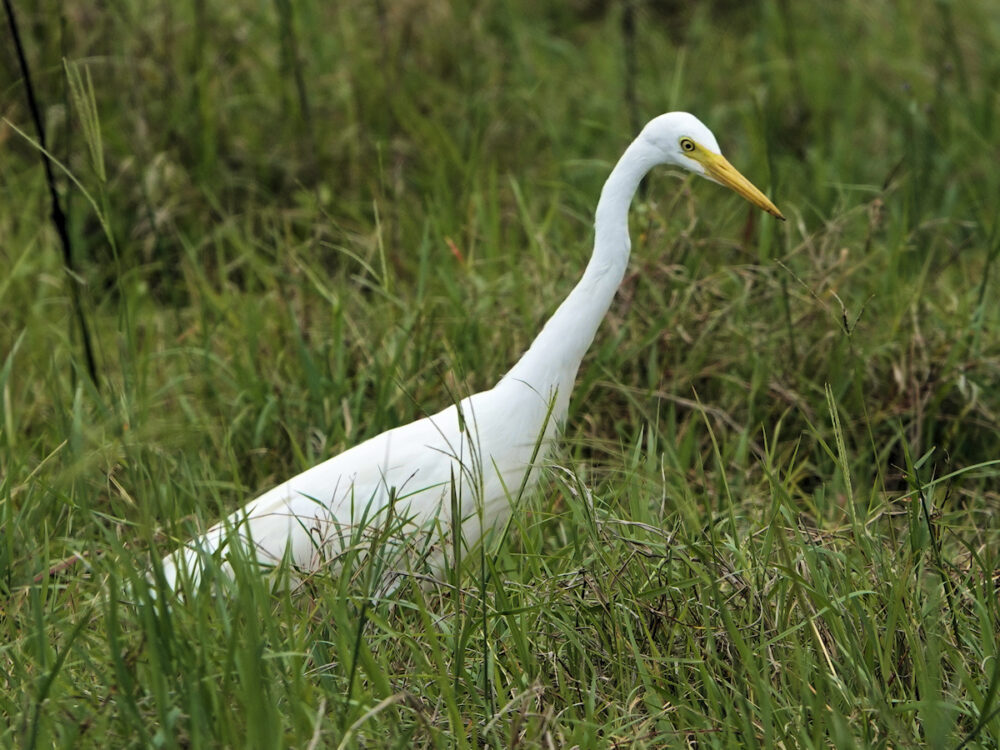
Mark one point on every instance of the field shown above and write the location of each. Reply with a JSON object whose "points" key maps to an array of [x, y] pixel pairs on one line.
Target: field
{"points": [[774, 518]]}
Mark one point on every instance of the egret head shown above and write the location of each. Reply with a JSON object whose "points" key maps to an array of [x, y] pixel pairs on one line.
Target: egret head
{"points": [[680, 139]]}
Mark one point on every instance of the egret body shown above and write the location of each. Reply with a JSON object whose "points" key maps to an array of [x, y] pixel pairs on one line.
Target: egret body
{"points": [[476, 456]]}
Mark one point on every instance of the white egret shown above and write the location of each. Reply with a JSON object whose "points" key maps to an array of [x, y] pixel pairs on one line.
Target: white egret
{"points": [[474, 457]]}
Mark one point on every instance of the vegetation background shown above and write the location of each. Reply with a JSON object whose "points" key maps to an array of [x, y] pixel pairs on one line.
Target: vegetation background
{"points": [[774, 518]]}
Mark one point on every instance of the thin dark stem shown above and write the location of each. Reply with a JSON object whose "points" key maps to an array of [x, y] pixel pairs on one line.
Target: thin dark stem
{"points": [[628, 42], [58, 217], [631, 74], [291, 61], [946, 582], [792, 349]]}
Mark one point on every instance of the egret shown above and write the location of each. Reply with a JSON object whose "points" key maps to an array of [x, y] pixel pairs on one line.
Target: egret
{"points": [[477, 457]]}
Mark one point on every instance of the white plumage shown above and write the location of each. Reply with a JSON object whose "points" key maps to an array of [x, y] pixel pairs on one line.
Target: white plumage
{"points": [[477, 455]]}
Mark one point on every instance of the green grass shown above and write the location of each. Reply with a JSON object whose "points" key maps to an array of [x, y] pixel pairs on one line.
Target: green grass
{"points": [[773, 520]]}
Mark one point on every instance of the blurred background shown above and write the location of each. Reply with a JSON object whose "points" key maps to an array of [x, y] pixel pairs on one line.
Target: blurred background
{"points": [[338, 216], [293, 225]]}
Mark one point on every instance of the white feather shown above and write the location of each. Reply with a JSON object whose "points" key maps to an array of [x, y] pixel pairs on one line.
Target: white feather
{"points": [[482, 452]]}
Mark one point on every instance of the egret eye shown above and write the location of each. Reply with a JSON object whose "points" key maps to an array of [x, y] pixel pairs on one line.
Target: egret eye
{"points": [[687, 144]]}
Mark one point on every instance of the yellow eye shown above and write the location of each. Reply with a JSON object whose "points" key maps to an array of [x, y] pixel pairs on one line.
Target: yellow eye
{"points": [[687, 144]]}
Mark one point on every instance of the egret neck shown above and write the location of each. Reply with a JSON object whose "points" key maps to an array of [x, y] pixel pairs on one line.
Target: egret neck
{"points": [[550, 365]]}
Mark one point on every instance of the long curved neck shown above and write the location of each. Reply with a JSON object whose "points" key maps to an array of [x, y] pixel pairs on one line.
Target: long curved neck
{"points": [[554, 357]]}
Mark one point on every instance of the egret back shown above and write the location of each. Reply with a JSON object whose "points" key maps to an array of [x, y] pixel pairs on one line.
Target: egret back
{"points": [[480, 453]]}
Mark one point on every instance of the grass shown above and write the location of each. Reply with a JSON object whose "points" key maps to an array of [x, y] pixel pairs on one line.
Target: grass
{"points": [[773, 520]]}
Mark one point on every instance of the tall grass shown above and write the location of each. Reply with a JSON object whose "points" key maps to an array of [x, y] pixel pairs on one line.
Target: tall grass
{"points": [[773, 518]]}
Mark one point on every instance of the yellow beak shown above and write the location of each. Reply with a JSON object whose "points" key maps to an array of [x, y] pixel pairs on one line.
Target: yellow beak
{"points": [[717, 168]]}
